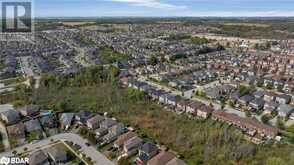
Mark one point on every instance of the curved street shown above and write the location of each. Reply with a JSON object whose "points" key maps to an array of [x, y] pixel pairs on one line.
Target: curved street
{"points": [[90, 151]]}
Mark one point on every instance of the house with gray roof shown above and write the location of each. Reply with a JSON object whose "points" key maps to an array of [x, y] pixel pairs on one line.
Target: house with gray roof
{"points": [[33, 125], [146, 152], [131, 146], [270, 107], [283, 99], [256, 103], [94, 122], [66, 120], [10, 116], [285, 110], [29, 110], [107, 123]]}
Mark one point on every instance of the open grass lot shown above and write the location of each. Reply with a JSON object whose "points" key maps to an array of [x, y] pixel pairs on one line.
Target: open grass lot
{"points": [[107, 55]]}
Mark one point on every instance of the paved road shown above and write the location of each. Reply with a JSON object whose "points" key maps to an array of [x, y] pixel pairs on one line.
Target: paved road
{"points": [[90, 151]]}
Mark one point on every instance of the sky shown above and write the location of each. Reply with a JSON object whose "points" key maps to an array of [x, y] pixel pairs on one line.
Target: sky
{"points": [[163, 8]]}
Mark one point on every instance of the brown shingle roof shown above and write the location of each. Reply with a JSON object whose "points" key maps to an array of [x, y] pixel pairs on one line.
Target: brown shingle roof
{"points": [[161, 159]]}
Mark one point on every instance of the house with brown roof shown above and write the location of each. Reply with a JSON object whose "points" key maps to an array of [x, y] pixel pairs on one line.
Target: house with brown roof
{"points": [[132, 145], [193, 106], [17, 132], [204, 111], [123, 138], [94, 122], [162, 158], [251, 126]]}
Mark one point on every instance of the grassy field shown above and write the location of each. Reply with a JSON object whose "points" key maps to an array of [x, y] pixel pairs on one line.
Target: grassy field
{"points": [[247, 24], [107, 55]]}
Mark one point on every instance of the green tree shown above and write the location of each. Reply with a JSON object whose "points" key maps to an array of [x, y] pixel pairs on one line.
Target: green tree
{"points": [[275, 161], [280, 124], [265, 119], [153, 60]]}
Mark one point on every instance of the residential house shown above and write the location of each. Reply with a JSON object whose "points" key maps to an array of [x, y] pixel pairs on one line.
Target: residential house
{"points": [[107, 123], [181, 105], [248, 125], [284, 110], [161, 159], [101, 132], [123, 138], [244, 100], [193, 106], [269, 96], [29, 110], [38, 158], [17, 132], [57, 154], [94, 122], [146, 152], [204, 111], [256, 104], [283, 99], [49, 121], [113, 132], [171, 99], [270, 107], [10, 116], [83, 116], [213, 93], [33, 125], [131, 146], [258, 94], [66, 120]]}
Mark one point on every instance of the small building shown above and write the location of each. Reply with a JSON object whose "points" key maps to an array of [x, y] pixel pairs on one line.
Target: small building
{"points": [[29, 110], [283, 99], [269, 96], [38, 158], [33, 125], [107, 123], [57, 154], [10, 117], [101, 132], [123, 138], [204, 111], [162, 158], [83, 116], [270, 107], [285, 110], [17, 132], [146, 152], [66, 120], [258, 94], [256, 104], [244, 100], [94, 122], [193, 106], [131, 146]]}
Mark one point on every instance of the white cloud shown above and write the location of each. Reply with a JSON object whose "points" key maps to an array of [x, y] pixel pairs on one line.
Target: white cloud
{"points": [[151, 4]]}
